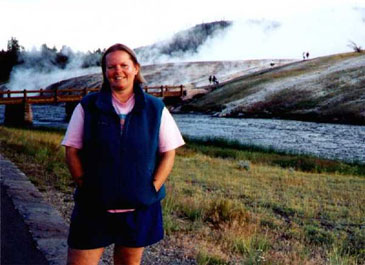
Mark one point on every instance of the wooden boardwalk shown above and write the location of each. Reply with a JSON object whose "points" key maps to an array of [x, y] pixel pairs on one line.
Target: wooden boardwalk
{"points": [[74, 95]]}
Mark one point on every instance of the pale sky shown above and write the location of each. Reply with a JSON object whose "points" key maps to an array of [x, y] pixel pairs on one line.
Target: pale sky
{"points": [[90, 24]]}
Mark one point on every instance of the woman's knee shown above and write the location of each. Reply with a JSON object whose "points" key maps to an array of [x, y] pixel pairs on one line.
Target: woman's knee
{"points": [[84, 257], [127, 256]]}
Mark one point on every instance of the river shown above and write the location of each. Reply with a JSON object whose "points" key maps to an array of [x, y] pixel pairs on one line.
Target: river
{"points": [[332, 141]]}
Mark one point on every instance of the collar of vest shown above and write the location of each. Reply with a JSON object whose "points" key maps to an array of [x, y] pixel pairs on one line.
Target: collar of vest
{"points": [[104, 101]]}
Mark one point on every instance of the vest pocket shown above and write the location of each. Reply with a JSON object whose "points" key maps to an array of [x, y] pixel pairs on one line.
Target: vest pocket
{"points": [[144, 176]]}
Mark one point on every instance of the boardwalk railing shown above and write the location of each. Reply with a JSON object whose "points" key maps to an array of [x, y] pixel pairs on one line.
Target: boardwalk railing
{"points": [[74, 95]]}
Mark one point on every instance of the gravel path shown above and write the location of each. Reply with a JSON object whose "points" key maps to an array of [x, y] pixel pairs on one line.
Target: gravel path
{"points": [[169, 251]]}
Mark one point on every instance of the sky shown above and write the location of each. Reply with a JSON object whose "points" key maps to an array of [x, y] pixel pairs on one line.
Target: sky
{"points": [[261, 28]]}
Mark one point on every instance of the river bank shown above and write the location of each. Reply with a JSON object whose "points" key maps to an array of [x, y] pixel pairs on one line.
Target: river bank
{"points": [[325, 140], [330, 141]]}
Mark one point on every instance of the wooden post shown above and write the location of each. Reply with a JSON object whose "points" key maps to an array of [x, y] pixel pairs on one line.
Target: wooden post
{"points": [[25, 96], [162, 94], [41, 92], [181, 90], [55, 94], [84, 92], [8, 93], [28, 114]]}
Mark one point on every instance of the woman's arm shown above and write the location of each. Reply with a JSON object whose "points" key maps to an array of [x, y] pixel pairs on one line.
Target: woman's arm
{"points": [[73, 161], [163, 168]]}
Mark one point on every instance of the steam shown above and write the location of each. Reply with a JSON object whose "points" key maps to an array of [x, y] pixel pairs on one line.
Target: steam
{"points": [[183, 45], [320, 32], [43, 67]]}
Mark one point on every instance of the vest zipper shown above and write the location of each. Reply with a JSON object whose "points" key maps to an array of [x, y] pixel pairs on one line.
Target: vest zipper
{"points": [[125, 126], [122, 144]]}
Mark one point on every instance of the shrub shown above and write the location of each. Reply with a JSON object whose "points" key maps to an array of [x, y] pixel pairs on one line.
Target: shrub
{"points": [[354, 46], [204, 258], [244, 164], [354, 244], [252, 248], [224, 210]]}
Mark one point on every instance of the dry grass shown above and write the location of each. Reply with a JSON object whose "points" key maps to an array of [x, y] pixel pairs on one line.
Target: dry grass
{"points": [[267, 215], [39, 154], [224, 213]]}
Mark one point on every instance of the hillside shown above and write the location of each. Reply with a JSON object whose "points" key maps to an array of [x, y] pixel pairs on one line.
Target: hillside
{"points": [[190, 74], [182, 44], [326, 89]]}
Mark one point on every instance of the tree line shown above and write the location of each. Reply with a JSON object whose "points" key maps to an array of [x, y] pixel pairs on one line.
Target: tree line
{"points": [[45, 58], [9, 58]]}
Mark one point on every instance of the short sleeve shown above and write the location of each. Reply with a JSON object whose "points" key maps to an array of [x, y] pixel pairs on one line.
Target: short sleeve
{"points": [[75, 129], [170, 137]]}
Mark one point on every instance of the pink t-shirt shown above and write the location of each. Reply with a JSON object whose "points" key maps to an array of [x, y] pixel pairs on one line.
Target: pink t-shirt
{"points": [[169, 136]]}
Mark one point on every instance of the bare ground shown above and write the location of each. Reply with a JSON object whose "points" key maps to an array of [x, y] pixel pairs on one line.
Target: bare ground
{"points": [[328, 89]]}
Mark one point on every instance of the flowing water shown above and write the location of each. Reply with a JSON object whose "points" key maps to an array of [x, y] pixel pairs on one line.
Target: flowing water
{"points": [[333, 141]]}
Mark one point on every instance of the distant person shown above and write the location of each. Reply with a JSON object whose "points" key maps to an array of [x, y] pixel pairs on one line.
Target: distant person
{"points": [[120, 149], [303, 54], [272, 64], [215, 80], [210, 79], [307, 55]]}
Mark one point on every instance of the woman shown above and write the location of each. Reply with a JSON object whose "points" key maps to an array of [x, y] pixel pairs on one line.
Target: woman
{"points": [[120, 149]]}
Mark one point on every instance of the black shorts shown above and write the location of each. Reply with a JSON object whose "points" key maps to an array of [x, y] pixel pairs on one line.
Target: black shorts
{"points": [[90, 229]]}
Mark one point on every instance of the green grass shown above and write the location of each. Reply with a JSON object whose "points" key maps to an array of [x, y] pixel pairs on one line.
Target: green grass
{"points": [[235, 204], [37, 152], [204, 258], [222, 148]]}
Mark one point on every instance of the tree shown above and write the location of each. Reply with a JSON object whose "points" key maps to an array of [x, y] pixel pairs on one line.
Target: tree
{"points": [[13, 45], [354, 46], [9, 58]]}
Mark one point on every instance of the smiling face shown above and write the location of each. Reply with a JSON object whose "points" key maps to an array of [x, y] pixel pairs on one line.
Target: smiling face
{"points": [[120, 71]]}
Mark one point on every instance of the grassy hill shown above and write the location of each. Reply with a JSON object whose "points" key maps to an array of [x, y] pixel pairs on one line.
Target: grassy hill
{"points": [[327, 89]]}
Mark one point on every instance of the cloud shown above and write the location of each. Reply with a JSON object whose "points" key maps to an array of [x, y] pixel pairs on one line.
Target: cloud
{"points": [[321, 31]]}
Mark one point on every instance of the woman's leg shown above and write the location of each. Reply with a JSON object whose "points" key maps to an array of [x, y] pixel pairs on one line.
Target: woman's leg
{"points": [[127, 256], [84, 256]]}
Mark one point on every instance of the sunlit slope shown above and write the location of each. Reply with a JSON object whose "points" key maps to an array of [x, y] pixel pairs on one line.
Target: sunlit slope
{"points": [[192, 74], [330, 88]]}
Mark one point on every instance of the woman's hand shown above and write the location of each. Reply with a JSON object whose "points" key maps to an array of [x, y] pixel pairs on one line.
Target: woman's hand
{"points": [[155, 186], [164, 168], [79, 181], [73, 161]]}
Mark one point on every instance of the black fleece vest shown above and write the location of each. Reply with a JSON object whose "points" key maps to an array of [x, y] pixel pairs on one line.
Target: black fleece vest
{"points": [[119, 165]]}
